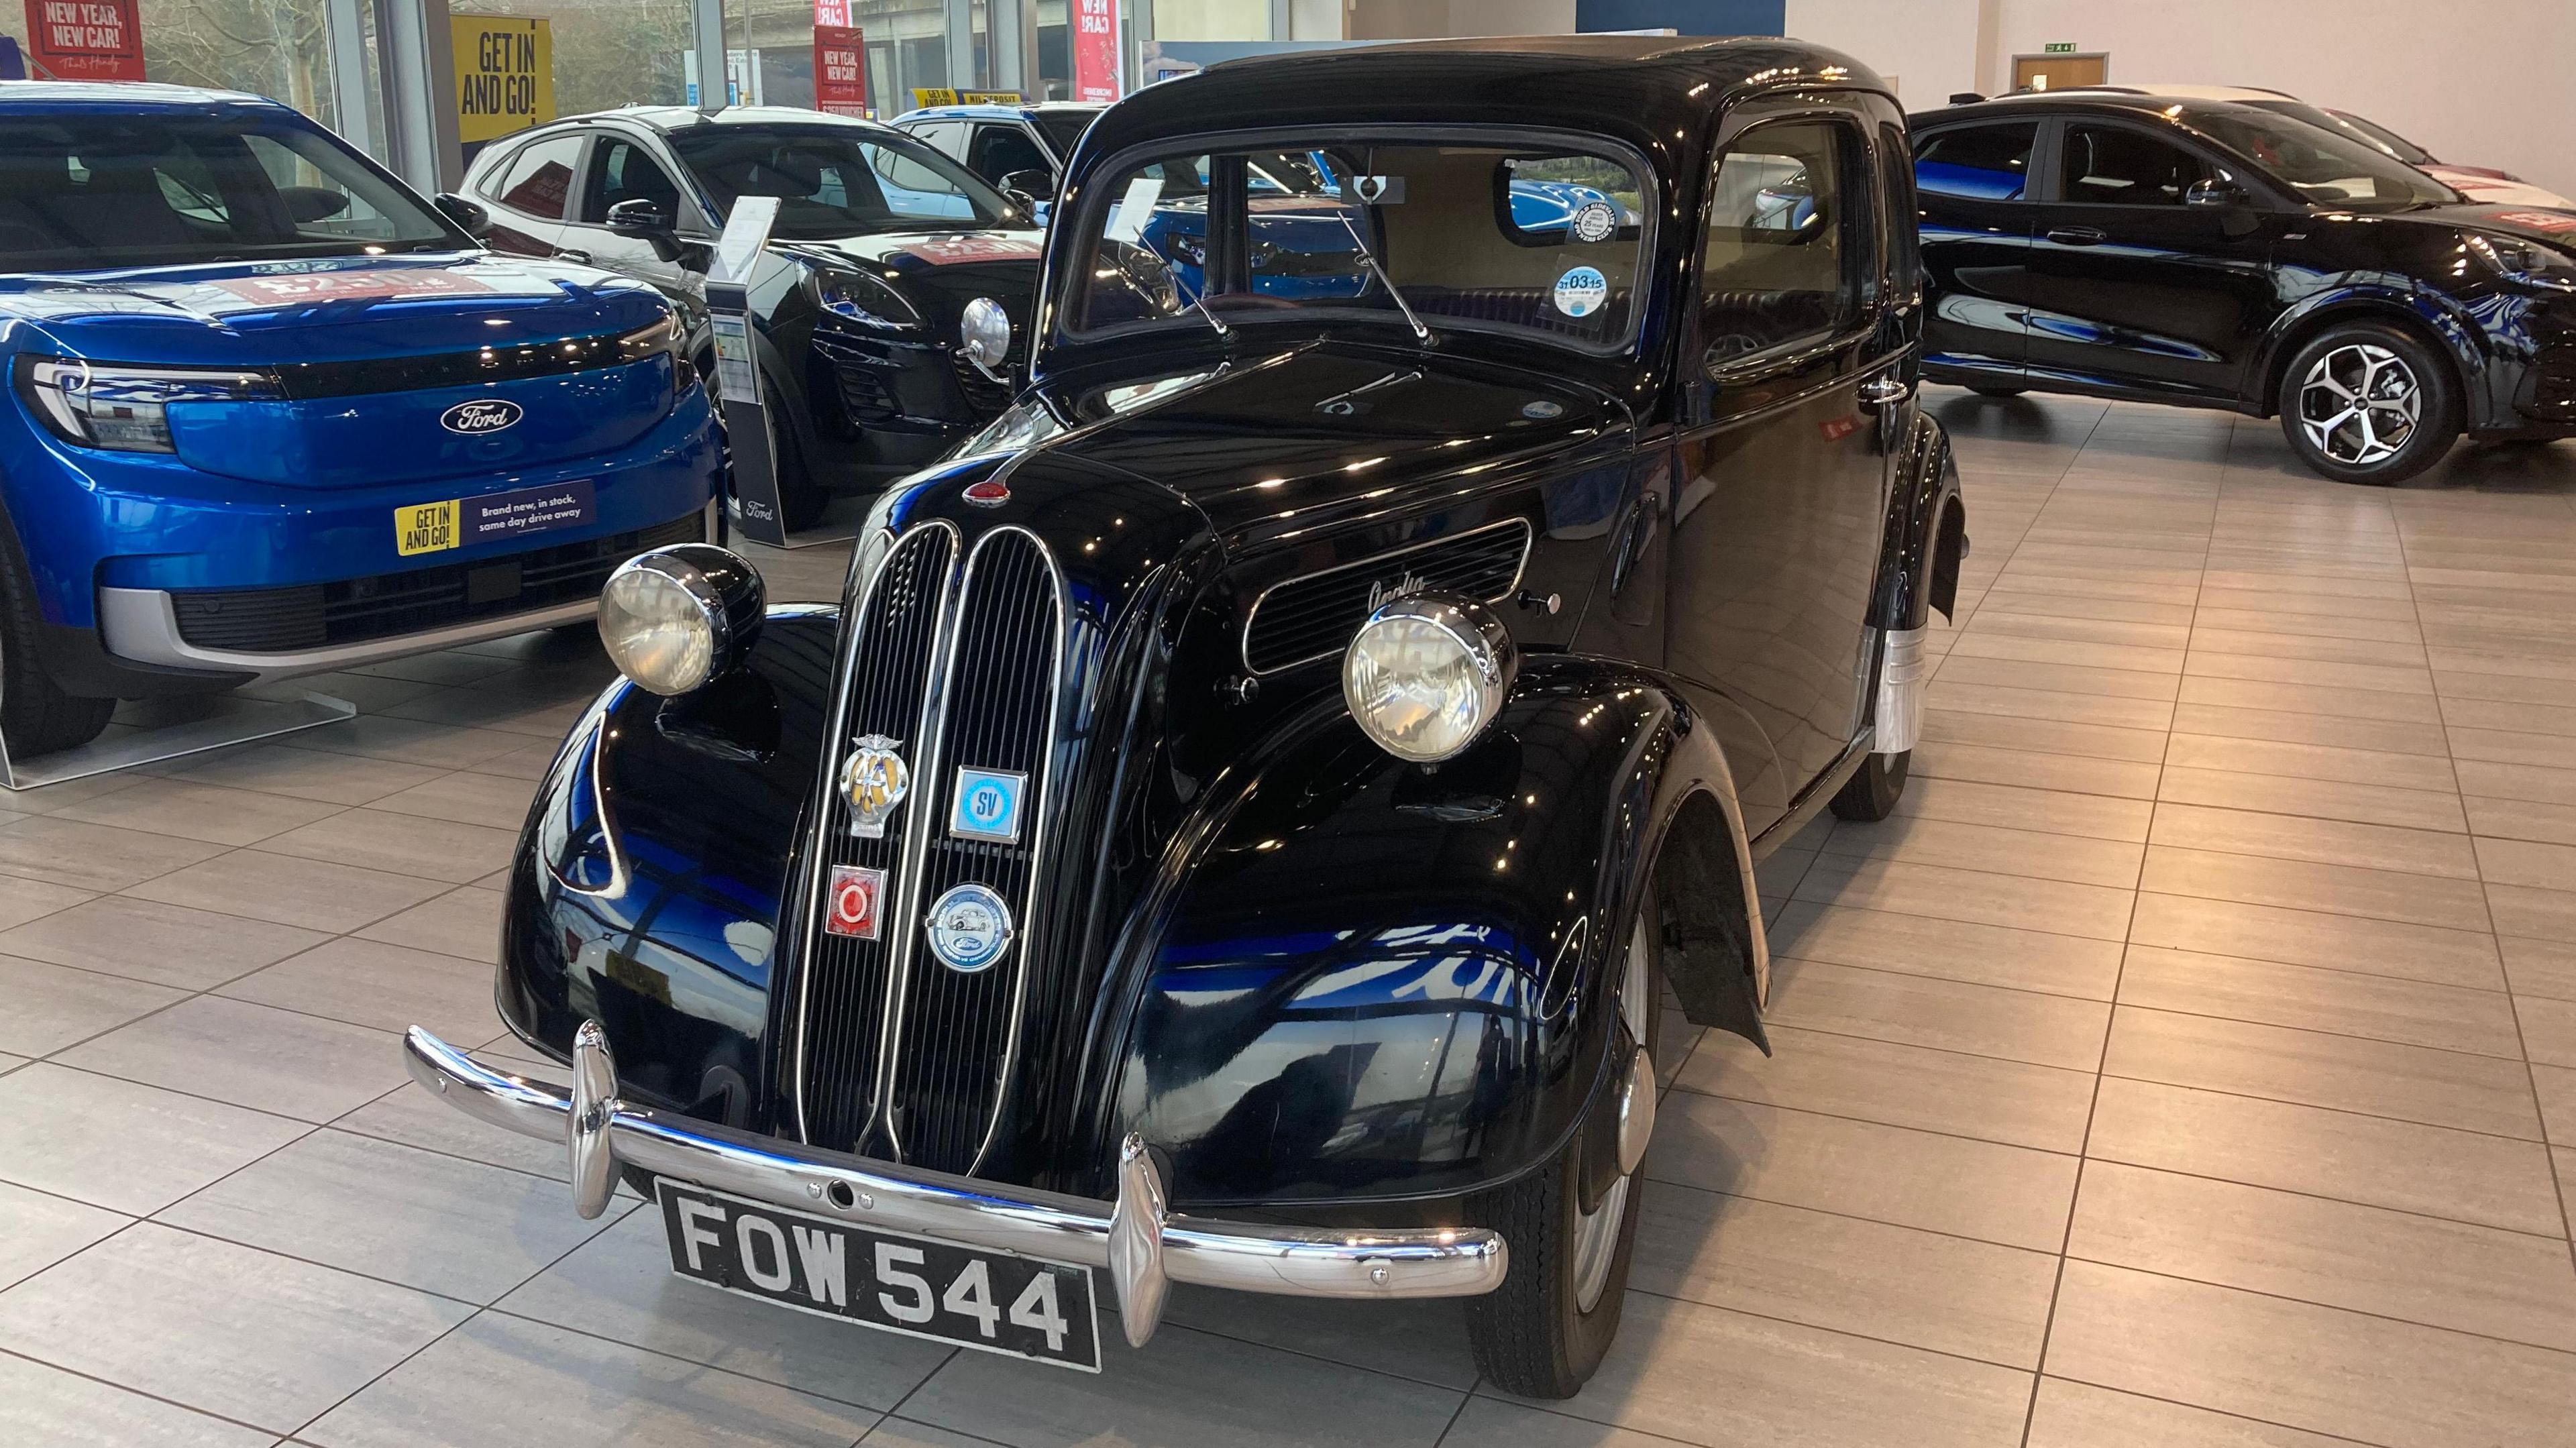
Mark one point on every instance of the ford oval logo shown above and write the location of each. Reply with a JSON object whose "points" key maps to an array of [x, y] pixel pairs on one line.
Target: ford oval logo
{"points": [[482, 415]]}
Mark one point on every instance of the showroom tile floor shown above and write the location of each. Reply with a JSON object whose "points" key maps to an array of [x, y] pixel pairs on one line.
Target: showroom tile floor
{"points": [[2181, 1066]]}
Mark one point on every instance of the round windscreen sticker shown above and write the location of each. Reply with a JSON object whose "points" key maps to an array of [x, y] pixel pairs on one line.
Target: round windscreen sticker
{"points": [[1580, 292], [1595, 221]]}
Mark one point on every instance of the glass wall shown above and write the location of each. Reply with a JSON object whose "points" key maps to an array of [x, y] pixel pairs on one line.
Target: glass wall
{"points": [[275, 48], [607, 53]]}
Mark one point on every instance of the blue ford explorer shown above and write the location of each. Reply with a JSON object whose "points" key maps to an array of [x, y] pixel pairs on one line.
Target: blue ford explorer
{"points": [[273, 414]]}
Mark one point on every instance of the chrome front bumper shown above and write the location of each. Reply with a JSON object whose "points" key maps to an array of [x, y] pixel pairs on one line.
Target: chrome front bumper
{"points": [[1142, 1244]]}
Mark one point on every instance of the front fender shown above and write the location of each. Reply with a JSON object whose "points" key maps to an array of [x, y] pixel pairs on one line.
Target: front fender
{"points": [[1918, 568], [646, 889], [1381, 982]]}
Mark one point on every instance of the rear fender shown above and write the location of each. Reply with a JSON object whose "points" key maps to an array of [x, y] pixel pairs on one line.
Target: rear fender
{"points": [[1380, 982]]}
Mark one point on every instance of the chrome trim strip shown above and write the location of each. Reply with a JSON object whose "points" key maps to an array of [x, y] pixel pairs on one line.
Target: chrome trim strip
{"points": [[142, 624], [835, 740], [1902, 677], [1241, 1256], [1529, 542]]}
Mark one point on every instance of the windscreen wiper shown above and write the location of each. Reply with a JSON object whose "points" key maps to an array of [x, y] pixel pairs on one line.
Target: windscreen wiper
{"points": [[1198, 303], [1421, 333]]}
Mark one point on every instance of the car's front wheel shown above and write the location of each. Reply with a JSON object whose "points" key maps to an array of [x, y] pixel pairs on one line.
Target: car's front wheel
{"points": [[2368, 403], [1544, 1331], [36, 716]]}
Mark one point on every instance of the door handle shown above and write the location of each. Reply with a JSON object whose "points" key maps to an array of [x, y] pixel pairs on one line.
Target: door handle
{"points": [[2079, 236], [566, 253], [1880, 391]]}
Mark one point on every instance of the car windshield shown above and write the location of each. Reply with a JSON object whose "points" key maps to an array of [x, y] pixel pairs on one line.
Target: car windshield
{"points": [[2328, 167], [1063, 128], [89, 192], [2343, 126], [835, 182], [1500, 236], [2386, 139]]}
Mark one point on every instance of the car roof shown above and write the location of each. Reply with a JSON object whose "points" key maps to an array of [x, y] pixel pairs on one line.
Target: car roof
{"points": [[50, 95], [2244, 94], [667, 119], [2095, 100], [999, 111]]}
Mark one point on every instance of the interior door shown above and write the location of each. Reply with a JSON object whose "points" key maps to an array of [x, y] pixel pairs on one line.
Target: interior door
{"points": [[1973, 189], [2057, 72], [2131, 288], [1781, 481]]}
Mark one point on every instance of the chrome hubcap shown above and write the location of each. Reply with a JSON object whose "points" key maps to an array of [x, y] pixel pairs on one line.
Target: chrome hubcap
{"points": [[1596, 1232], [2360, 404]]}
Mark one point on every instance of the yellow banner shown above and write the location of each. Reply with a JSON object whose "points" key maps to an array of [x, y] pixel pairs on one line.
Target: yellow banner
{"points": [[505, 75], [922, 97]]}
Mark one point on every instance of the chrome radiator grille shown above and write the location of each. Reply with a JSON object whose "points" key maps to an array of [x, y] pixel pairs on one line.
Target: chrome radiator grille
{"points": [[899, 1055]]}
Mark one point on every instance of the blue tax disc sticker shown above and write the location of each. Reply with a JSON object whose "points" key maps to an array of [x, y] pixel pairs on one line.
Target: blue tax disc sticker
{"points": [[987, 806], [1581, 291]]}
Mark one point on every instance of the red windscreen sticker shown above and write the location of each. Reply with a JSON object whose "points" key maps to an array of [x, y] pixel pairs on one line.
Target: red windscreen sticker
{"points": [[948, 249], [293, 287]]}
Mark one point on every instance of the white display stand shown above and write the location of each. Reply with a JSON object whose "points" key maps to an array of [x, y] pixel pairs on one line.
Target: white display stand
{"points": [[150, 731]]}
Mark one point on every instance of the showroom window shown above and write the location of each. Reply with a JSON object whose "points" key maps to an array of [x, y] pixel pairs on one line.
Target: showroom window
{"points": [[2115, 166], [1788, 252], [1978, 163], [540, 177]]}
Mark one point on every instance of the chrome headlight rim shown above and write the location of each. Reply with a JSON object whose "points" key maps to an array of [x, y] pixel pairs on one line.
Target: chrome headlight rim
{"points": [[1483, 644], [984, 335], [711, 592]]}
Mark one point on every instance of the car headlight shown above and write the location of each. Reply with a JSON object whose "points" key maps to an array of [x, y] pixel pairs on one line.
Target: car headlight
{"points": [[1427, 673], [676, 617], [985, 334], [124, 408], [2528, 262], [866, 300], [661, 337]]}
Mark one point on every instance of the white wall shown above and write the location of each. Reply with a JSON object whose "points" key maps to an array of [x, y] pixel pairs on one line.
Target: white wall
{"points": [[1511, 17], [1929, 46]]}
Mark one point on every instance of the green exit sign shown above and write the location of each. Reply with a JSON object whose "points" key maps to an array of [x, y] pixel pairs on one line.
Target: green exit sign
{"points": [[2059, 47]]}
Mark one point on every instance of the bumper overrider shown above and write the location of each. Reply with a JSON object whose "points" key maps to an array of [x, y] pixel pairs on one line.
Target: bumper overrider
{"points": [[1142, 1244]]}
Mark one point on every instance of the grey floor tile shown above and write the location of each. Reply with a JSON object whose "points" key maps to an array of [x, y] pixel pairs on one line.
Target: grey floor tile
{"points": [[2313, 1068], [619, 1285], [1980, 764], [166, 944], [2044, 736], [2055, 812], [245, 1334], [2523, 910], [38, 1229], [1943, 893], [387, 987], [342, 779], [122, 1145], [465, 923], [24, 900], [2345, 890], [2317, 841], [2308, 937], [490, 800], [457, 1228], [1185, 1386], [1948, 949], [415, 1117], [2044, 1107], [2012, 1025], [85, 856], [2312, 998], [2511, 819], [2079, 1415], [500, 1381], [438, 746], [2318, 1368], [900, 1433], [45, 1407], [2403, 1166], [53, 1006], [403, 844], [1997, 849], [2324, 799], [316, 894], [2540, 967], [251, 1055], [2548, 1029]]}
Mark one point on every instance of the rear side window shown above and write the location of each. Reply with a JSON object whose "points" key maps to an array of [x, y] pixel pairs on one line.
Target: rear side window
{"points": [[2115, 166], [1978, 163], [1791, 251], [539, 179]]}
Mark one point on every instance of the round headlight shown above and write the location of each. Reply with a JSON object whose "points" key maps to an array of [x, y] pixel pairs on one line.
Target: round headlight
{"points": [[676, 617], [985, 334], [1427, 674]]}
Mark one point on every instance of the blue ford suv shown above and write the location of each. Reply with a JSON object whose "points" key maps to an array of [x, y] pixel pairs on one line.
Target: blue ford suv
{"points": [[273, 414]]}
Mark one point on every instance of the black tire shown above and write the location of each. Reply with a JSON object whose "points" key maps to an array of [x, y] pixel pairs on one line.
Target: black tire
{"points": [[2364, 402], [1873, 790], [1991, 389], [36, 716], [1532, 1336]]}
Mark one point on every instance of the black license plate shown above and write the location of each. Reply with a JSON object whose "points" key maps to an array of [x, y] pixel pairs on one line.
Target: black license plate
{"points": [[912, 1285]]}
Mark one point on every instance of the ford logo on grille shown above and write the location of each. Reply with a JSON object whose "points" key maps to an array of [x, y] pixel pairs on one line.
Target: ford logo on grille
{"points": [[484, 414]]}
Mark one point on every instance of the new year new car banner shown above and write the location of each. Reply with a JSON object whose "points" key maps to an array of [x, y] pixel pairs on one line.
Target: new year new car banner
{"points": [[84, 39]]}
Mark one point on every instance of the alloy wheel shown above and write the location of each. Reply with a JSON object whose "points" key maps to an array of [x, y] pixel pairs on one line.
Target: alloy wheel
{"points": [[1596, 1232], [2360, 405]]}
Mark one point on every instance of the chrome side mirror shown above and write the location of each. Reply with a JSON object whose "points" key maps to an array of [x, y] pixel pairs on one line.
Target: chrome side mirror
{"points": [[2214, 195]]}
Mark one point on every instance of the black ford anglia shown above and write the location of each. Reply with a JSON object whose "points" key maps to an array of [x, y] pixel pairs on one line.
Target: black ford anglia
{"points": [[1246, 815]]}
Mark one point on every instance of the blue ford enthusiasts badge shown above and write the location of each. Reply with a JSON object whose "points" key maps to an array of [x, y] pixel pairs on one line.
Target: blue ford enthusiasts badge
{"points": [[987, 805], [969, 928]]}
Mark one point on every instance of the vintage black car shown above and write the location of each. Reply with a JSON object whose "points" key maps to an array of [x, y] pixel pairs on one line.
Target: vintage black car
{"points": [[2215, 254], [1235, 825], [891, 304]]}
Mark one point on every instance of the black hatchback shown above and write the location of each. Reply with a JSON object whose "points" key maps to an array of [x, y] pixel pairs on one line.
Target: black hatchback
{"points": [[2218, 255]]}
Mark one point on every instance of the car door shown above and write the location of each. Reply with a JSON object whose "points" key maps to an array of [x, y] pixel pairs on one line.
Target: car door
{"points": [[1974, 205], [529, 193], [2133, 289], [1780, 497], [625, 168]]}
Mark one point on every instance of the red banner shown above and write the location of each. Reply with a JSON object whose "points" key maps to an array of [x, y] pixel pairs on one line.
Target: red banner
{"points": [[840, 68], [84, 39], [1098, 51]]}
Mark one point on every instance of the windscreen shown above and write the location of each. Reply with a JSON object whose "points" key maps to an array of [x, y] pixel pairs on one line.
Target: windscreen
{"points": [[2386, 139], [2325, 166], [1063, 128], [95, 192], [2341, 125], [1530, 239], [831, 182]]}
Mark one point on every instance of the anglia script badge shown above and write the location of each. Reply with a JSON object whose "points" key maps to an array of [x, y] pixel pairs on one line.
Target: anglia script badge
{"points": [[856, 893], [874, 779]]}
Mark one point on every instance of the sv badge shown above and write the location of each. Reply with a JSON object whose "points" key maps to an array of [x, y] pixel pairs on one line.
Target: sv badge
{"points": [[874, 779]]}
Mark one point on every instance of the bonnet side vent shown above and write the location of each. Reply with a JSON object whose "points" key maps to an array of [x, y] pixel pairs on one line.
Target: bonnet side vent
{"points": [[1315, 615]]}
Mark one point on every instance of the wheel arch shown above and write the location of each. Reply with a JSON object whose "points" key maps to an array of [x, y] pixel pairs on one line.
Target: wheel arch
{"points": [[2431, 320]]}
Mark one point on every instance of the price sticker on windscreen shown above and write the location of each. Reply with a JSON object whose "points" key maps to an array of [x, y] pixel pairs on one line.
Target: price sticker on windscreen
{"points": [[1127, 219]]}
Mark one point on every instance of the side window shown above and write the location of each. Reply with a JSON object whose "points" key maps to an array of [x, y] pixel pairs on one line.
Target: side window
{"points": [[2115, 166], [1000, 150], [317, 203], [1977, 163], [948, 136], [539, 179], [627, 172], [1790, 255], [1900, 233]]}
